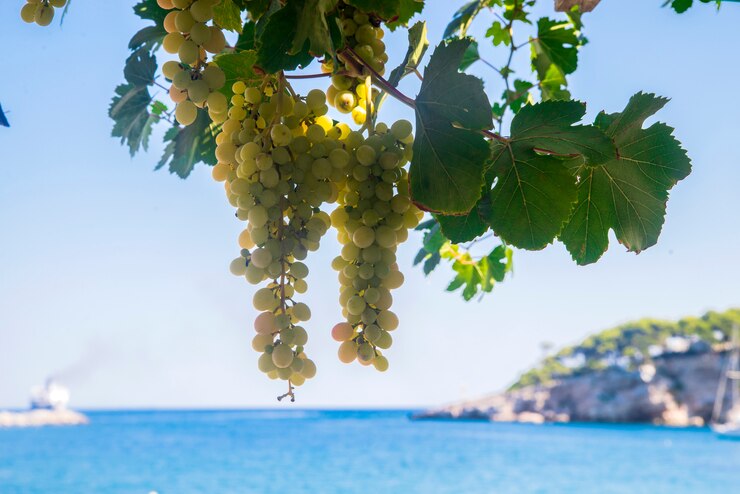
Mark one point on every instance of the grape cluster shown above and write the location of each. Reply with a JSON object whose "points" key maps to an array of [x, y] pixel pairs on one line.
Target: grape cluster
{"points": [[195, 82], [373, 217], [349, 92], [280, 158], [41, 11]]}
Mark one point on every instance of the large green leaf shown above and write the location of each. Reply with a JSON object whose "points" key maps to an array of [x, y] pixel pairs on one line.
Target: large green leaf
{"points": [[276, 48], [130, 113], [465, 227], [189, 145], [628, 194], [409, 8], [149, 10], [533, 190], [238, 66], [385, 9], [446, 172], [227, 15], [554, 55], [130, 106], [464, 17]]}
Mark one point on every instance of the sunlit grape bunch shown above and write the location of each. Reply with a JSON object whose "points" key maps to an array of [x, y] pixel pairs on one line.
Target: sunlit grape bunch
{"points": [[41, 11], [280, 158], [348, 92], [373, 217], [195, 82]]}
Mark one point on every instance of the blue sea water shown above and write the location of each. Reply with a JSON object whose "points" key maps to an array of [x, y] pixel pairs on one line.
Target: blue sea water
{"points": [[379, 452]]}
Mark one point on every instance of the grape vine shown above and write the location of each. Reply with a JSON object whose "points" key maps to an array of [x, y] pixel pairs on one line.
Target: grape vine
{"points": [[295, 165]]}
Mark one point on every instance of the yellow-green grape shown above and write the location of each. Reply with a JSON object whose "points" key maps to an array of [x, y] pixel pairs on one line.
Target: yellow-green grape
{"points": [[44, 15], [165, 4], [216, 42], [28, 12], [373, 217], [280, 159], [58, 3], [186, 112]]}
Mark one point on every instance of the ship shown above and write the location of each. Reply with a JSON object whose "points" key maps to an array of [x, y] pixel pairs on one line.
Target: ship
{"points": [[48, 406]]}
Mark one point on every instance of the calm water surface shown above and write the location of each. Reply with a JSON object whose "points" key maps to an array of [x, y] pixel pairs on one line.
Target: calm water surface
{"points": [[331, 452]]}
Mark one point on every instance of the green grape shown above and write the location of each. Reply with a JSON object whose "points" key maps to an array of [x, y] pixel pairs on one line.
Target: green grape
{"points": [[28, 12], [264, 300], [238, 267], [347, 352], [265, 323], [188, 52], [309, 369], [201, 10], [261, 341], [365, 353], [301, 311], [217, 42], [265, 363], [282, 356], [214, 77], [200, 33], [43, 15], [401, 129], [198, 91], [315, 99], [342, 332], [380, 363], [186, 113], [184, 21]]}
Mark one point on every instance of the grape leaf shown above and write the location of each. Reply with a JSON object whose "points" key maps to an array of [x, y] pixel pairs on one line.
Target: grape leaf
{"points": [[534, 191], [149, 37], [628, 194], [129, 108], [409, 8], [140, 68], [130, 113], [227, 15], [471, 56], [312, 26], [385, 9], [150, 11], [3, 119], [238, 66], [446, 172], [418, 45], [464, 228], [554, 54], [475, 276], [275, 48], [246, 40], [189, 145], [463, 18]]}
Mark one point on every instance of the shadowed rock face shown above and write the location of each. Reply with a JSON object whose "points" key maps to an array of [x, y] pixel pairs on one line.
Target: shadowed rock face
{"points": [[680, 393]]}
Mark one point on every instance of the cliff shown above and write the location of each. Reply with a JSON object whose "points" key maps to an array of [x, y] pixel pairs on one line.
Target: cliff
{"points": [[674, 383]]}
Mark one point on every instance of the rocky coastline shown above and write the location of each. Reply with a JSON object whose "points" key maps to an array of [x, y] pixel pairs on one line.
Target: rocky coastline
{"points": [[674, 389]]}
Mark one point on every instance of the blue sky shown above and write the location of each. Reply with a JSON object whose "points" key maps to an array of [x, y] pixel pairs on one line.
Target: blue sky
{"points": [[117, 276]]}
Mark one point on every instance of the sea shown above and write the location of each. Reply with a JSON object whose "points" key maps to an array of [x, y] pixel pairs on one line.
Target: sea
{"points": [[367, 452]]}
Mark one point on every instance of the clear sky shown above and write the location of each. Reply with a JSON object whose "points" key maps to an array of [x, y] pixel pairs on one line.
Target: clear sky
{"points": [[117, 277]]}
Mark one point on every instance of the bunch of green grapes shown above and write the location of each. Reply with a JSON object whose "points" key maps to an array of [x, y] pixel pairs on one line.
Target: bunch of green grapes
{"points": [[195, 82], [373, 217], [280, 158], [41, 11], [348, 92]]}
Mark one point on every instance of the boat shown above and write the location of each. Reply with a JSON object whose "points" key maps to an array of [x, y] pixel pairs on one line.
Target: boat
{"points": [[50, 396], [729, 383]]}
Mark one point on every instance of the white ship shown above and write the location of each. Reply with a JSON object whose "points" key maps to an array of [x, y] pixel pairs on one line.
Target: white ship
{"points": [[48, 407], [730, 427], [50, 396]]}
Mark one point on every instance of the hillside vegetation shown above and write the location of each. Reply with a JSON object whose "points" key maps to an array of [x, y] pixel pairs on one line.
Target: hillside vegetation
{"points": [[633, 344]]}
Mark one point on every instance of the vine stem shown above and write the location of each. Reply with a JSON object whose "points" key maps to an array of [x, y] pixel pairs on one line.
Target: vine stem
{"points": [[393, 91], [307, 76]]}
